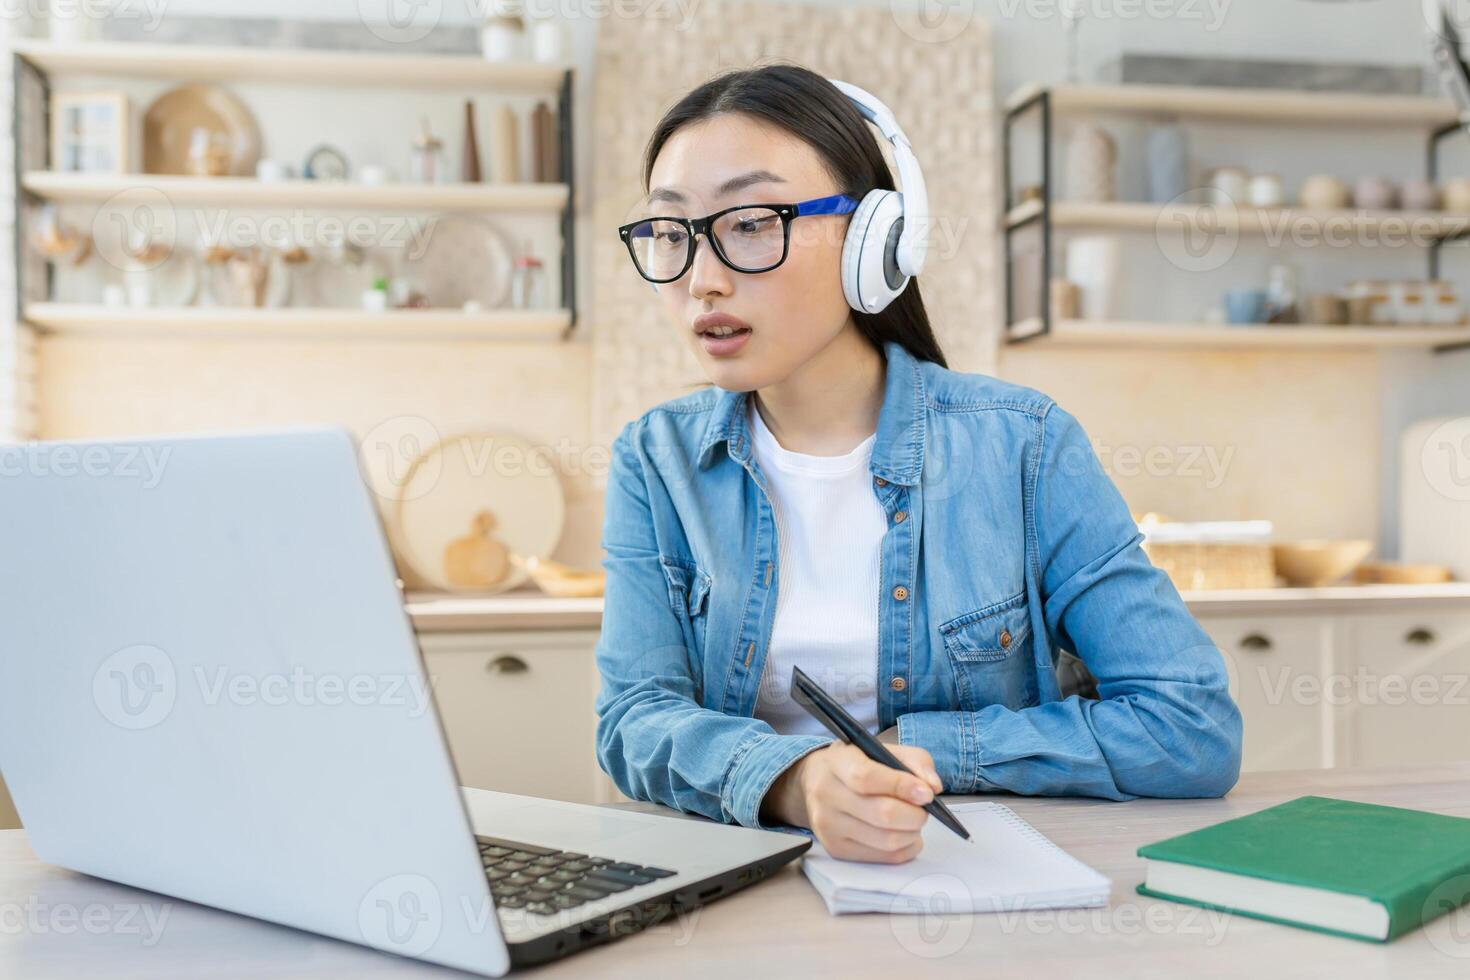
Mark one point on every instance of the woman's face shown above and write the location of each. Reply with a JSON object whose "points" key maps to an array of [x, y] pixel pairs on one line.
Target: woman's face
{"points": [[793, 311]]}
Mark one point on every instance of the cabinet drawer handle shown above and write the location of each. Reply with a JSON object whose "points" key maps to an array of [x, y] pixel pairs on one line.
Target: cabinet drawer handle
{"points": [[1255, 641], [507, 663], [1420, 637]]}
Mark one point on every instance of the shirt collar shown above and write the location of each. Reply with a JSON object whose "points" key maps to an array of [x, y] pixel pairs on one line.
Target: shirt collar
{"points": [[898, 452]]}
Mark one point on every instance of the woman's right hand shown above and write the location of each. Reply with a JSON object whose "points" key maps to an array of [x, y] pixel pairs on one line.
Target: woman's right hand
{"points": [[859, 809]]}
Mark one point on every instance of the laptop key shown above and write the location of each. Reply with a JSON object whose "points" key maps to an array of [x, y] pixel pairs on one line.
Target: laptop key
{"points": [[541, 908], [657, 872], [587, 894], [516, 845], [623, 879], [563, 900]]}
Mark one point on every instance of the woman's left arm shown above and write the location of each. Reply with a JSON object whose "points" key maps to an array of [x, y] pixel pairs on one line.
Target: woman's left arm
{"points": [[1164, 723]]}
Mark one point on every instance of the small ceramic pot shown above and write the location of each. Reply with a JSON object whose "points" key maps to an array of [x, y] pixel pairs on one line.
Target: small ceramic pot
{"points": [[1229, 186], [1457, 194], [1324, 192], [1421, 195], [1266, 191], [1244, 306], [1328, 309], [1375, 194]]}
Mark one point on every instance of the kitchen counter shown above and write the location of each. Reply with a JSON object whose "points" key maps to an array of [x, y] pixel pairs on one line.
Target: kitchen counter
{"points": [[529, 609]]}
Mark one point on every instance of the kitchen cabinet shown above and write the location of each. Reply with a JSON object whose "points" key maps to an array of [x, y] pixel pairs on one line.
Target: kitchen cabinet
{"points": [[1409, 677], [1324, 687], [1276, 663], [517, 709]]}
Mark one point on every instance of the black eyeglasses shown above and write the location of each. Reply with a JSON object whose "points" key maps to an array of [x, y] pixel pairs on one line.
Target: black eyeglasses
{"points": [[748, 238]]}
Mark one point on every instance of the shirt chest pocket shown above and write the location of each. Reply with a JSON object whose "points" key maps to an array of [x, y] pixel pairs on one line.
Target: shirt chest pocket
{"points": [[990, 651], [689, 597]]}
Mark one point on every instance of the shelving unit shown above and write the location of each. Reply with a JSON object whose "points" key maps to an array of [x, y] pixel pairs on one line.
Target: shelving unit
{"points": [[1245, 220], [204, 322], [36, 62], [221, 64], [1266, 107], [1214, 336], [249, 192]]}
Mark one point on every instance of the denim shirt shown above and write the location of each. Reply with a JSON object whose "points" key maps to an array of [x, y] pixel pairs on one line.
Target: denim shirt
{"points": [[1006, 543]]}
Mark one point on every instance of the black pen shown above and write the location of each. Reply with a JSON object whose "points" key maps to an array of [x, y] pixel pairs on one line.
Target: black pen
{"points": [[817, 701]]}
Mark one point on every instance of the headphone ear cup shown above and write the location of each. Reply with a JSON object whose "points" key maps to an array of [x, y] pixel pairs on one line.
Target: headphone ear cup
{"points": [[870, 277]]}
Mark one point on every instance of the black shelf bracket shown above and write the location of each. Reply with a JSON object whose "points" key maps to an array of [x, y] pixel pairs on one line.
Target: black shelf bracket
{"points": [[1041, 101]]}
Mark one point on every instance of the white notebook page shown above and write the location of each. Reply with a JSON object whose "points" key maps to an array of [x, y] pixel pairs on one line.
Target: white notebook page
{"points": [[1008, 865]]}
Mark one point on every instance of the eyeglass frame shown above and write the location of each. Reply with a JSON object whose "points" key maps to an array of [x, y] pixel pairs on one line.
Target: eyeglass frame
{"points": [[832, 204]]}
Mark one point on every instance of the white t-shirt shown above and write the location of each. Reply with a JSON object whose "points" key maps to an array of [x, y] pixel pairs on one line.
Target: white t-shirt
{"points": [[829, 528]]}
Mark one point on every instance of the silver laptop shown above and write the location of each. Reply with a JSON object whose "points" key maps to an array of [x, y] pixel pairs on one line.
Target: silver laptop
{"points": [[209, 688]]}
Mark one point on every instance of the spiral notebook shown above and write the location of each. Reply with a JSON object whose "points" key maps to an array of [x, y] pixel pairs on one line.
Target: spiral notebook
{"points": [[1007, 866]]}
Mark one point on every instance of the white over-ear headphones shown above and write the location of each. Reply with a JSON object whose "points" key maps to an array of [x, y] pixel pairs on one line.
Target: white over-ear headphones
{"points": [[884, 247]]}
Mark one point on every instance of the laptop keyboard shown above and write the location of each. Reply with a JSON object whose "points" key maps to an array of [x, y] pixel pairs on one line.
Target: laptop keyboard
{"points": [[547, 881]]}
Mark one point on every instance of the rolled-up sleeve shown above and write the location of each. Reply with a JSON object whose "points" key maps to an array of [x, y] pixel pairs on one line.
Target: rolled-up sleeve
{"points": [[654, 739], [1164, 723]]}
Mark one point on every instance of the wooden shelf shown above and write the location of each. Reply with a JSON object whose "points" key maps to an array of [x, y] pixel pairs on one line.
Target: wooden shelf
{"points": [[243, 64], [1247, 105], [1272, 222], [1146, 334], [202, 322], [249, 192]]}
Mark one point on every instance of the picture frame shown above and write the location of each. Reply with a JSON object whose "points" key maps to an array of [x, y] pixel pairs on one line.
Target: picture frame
{"points": [[90, 132]]}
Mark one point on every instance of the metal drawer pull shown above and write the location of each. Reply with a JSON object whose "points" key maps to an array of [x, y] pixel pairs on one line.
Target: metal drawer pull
{"points": [[1420, 637], [507, 663], [1255, 641]]}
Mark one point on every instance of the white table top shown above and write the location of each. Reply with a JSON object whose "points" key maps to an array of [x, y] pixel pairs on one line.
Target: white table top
{"points": [[56, 924]]}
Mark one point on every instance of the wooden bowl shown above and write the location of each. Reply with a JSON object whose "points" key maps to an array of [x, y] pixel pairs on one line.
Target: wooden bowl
{"points": [[1401, 573], [1314, 563]]}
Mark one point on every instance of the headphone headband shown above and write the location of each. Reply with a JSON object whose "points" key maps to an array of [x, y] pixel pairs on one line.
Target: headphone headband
{"points": [[914, 195]]}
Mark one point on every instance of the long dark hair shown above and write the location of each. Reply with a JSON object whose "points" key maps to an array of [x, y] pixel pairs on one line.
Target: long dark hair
{"points": [[811, 108]]}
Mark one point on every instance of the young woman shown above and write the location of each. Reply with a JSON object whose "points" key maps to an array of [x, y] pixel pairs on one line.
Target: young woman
{"points": [[922, 542]]}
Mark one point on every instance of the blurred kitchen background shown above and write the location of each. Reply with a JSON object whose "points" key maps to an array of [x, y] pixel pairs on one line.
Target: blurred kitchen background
{"points": [[1225, 235]]}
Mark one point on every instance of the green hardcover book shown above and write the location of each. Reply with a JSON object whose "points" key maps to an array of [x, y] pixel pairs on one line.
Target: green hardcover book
{"points": [[1351, 869]]}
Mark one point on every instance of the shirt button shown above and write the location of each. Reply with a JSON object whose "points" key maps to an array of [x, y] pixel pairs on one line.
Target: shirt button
{"points": [[897, 684], [900, 516], [1005, 639], [880, 481], [900, 593]]}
